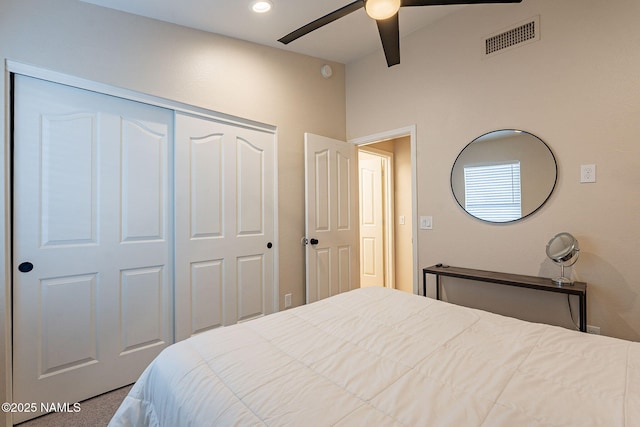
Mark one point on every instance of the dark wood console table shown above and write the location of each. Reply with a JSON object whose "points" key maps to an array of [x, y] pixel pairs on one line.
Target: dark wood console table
{"points": [[531, 282]]}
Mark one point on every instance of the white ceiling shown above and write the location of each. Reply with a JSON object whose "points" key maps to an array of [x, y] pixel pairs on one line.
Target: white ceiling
{"points": [[344, 40]]}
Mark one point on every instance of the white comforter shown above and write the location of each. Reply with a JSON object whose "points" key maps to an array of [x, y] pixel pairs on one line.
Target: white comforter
{"points": [[377, 357]]}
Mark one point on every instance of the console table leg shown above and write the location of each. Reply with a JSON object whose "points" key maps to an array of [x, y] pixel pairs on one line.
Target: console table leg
{"points": [[437, 286], [583, 312], [424, 283]]}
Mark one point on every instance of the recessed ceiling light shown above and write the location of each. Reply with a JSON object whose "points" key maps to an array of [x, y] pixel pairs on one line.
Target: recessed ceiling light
{"points": [[261, 6]]}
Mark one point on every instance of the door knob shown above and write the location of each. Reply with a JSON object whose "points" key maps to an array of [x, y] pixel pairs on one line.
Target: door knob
{"points": [[269, 245], [314, 241], [25, 267]]}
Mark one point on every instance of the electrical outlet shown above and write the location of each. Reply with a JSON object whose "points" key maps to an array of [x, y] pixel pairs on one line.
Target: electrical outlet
{"points": [[287, 300], [588, 173], [593, 329]]}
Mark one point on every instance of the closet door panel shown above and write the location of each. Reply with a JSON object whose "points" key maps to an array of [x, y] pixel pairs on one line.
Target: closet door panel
{"points": [[206, 188], [142, 194], [91, 215], [225, 218]]}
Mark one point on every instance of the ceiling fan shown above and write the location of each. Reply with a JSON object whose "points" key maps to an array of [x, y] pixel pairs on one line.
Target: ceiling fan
{"points": [[385, 12]]}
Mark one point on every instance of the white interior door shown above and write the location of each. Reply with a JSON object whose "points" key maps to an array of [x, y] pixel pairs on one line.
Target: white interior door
{"points": [[331, 217], [225, 216], [92, 290], [372, 262]]}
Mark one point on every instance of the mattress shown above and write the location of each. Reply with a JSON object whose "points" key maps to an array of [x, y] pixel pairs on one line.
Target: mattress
{"points": [[380, 357]]}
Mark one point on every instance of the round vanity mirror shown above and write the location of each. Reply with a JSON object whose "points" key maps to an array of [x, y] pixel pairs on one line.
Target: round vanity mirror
{"points": [[504, 175], [563, 249]]}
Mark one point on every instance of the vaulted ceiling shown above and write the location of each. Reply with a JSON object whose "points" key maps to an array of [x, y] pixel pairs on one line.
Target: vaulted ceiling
{"points": [[344, 40]]}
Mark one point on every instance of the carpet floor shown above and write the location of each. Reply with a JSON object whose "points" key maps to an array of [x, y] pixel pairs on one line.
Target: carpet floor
{"points": [[96, 411]]}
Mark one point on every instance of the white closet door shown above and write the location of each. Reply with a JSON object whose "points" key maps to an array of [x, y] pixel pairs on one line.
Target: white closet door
{"points": [[225, 216], [91, 215]]}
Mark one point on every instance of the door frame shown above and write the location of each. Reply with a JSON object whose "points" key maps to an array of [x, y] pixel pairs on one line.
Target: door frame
{"points": [[388, 208], [409, 131], [6, 185]]}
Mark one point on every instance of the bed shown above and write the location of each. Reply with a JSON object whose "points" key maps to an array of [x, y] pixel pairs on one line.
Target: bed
{"points": [[380, 357]]}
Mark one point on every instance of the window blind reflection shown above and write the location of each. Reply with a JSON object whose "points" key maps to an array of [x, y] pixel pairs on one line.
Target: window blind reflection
{"points": [[493, 191]]}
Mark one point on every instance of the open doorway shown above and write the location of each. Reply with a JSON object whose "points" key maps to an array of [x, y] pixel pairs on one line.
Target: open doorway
{"points": [[332, 252], [386, 214]]}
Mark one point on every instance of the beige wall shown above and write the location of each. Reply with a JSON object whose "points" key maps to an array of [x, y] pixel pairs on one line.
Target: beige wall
{"points": [[578, 89], [230, 76]]}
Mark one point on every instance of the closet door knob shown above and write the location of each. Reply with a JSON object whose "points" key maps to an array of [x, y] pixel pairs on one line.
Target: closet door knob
{"points": [[314, 241], [269, 245], [25, 267]]}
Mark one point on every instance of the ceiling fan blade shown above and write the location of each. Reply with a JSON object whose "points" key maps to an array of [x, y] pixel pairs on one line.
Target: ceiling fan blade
{"points": [[389, 30], [451, 2], [327, 19]]}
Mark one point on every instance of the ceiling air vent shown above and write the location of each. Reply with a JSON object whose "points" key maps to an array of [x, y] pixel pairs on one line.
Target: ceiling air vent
{"points": [[520, 34]]}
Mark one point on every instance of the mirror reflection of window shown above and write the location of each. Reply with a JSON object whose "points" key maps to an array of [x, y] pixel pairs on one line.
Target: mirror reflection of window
{"points": [[493, 191]]}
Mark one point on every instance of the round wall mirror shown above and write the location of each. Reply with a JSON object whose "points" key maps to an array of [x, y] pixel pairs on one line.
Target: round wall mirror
{"points": [[504, 175]]}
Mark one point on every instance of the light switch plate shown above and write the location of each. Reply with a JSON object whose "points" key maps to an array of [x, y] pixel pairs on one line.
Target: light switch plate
{"points": [[426, 222]]}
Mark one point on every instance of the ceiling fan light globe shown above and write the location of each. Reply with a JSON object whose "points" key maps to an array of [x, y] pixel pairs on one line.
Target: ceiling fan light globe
{"points": [[381, 9]]}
